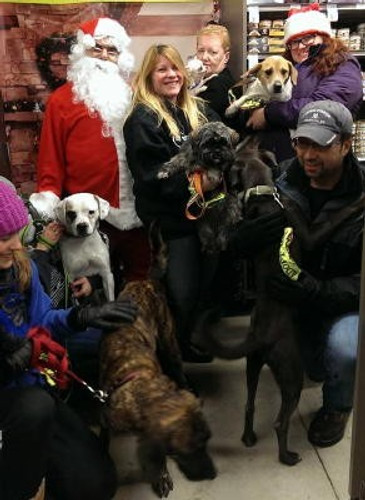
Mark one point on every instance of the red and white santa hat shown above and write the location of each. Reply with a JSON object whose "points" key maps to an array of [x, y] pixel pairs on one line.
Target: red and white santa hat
{"points": [[304, 21], [104, 27]]}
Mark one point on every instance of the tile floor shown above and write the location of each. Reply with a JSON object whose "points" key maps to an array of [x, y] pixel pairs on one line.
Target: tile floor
{"points": [[247, 473]]}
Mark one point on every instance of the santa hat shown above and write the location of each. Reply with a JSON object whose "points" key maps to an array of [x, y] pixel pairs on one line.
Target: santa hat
{"points": [[104, 27], [304, 21]]}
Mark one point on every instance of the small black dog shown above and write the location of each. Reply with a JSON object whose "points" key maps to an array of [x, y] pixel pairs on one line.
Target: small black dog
{"points": [[211, 148]]}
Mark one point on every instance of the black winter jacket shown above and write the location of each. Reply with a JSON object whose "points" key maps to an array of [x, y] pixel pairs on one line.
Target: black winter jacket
{"points": [[149, 145], [337, 262], [216, 93]]}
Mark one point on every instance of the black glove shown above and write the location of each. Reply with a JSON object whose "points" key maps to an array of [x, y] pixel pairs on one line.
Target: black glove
{"points": [[15, 354], [107, 317], [252, 235], [301, 292]]}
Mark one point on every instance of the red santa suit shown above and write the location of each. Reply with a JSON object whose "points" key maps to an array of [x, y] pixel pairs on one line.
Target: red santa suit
{"points": [[79, 152], [75, 156]]}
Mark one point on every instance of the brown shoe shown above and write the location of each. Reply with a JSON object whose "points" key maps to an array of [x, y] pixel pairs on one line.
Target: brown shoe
{"points": [[328, 427]]}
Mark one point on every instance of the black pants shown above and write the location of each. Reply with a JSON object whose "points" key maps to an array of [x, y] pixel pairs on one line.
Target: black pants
{"points": [[42, 437], [189, 277]]}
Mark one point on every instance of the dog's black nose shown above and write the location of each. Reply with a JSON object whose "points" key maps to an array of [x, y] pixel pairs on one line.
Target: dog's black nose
{"points": [[278, 87], [82, 229]]}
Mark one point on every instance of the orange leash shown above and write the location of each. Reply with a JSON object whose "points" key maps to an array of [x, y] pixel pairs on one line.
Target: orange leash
{"points": [[197, 199]]}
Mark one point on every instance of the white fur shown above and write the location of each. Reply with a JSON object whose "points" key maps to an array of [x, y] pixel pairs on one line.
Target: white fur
{"points": [[196, 72], [45, 203], [101, 86], [83, 251]]}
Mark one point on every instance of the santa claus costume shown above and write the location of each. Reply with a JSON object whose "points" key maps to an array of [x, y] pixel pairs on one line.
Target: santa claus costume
{"points": [[82, 146]]}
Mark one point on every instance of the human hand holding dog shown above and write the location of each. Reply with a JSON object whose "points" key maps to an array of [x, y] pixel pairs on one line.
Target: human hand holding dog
{"points": [[106, 317], [81, 287], [50, 236], [257, 120], [253, 235], [305, 289]]}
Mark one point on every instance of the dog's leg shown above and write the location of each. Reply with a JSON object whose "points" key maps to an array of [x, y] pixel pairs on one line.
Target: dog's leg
{"points": [[255, 362], [153, 462], [286, 367], [235, 106], [108, 286]]}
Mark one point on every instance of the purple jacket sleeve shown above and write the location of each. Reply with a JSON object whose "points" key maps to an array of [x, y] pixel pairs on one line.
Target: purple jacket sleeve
{"points": [[344, 86]]}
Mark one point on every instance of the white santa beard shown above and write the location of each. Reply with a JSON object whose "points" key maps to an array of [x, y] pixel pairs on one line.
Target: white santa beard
{"points": [[100, 86]]}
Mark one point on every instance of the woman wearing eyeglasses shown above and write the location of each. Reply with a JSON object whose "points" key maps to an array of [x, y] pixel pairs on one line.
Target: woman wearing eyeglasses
{"points": [[326, 70]]}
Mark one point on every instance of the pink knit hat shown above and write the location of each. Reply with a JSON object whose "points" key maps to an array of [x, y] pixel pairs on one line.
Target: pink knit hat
{"points": [[13, 214], [304, 21]]}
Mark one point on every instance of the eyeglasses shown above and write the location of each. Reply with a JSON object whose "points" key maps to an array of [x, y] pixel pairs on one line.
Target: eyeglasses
{"points": [[304, 144], [98, 50], [305, 41]]}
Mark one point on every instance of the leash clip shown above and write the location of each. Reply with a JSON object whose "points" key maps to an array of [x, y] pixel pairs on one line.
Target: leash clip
{"points": [[277, 198]]}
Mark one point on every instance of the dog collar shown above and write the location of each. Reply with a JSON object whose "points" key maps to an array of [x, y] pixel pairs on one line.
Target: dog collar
{"points": [[127, 378], [263, 190]]}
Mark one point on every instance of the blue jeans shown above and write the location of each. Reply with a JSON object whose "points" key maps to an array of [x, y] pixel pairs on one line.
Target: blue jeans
{"points": [[333, 360]]}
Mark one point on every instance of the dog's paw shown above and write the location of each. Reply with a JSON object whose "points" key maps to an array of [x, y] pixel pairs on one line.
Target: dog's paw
{"points": [[163, 486], [249, 438], [289, 457], [231, 110]]}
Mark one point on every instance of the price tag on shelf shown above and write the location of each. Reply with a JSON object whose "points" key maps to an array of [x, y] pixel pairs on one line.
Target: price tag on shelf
{"points": [[252, 60], [253, 14], [332, 12]]}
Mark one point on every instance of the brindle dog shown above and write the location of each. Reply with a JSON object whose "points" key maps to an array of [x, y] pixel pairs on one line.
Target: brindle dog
{"points": [[141, 370], [272, 337]]}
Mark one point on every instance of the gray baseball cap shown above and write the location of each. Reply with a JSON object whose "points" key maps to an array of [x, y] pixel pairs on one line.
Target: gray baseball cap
{"points": [[323, 121]]}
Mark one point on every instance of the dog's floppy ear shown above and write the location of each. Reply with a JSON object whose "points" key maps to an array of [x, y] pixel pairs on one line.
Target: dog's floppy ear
{"points": [[104, 206], [253, 71], [293, 73], [60, 211]]}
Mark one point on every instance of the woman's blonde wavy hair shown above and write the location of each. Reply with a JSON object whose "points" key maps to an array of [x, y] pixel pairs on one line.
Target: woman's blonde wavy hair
{"points": [[216, 30], [23, 270], [145, 94]]}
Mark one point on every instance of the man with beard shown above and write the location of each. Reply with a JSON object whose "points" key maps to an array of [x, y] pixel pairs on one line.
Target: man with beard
{"points": [[82, 146]]}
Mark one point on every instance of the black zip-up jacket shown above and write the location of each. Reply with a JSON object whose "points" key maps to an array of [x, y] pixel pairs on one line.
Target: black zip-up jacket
{"points": [[337, 262], [148, 146]]}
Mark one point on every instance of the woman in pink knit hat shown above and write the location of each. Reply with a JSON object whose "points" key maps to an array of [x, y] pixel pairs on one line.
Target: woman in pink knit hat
{"points": [[42, 441], [326, 70]]}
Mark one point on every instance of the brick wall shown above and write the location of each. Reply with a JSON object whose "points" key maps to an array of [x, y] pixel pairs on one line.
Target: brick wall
{"points": [[24, 26]]}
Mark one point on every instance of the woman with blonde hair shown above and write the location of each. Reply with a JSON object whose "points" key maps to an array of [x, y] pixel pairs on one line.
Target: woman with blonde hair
{"points": [[162, 116], [41, 436]]}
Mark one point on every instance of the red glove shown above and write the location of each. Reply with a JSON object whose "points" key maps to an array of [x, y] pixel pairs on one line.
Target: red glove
{"points": [[49, 357]]}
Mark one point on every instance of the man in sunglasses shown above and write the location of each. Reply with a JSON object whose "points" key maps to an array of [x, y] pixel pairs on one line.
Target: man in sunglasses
{"points": [[82, 147], [326, 181]]}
